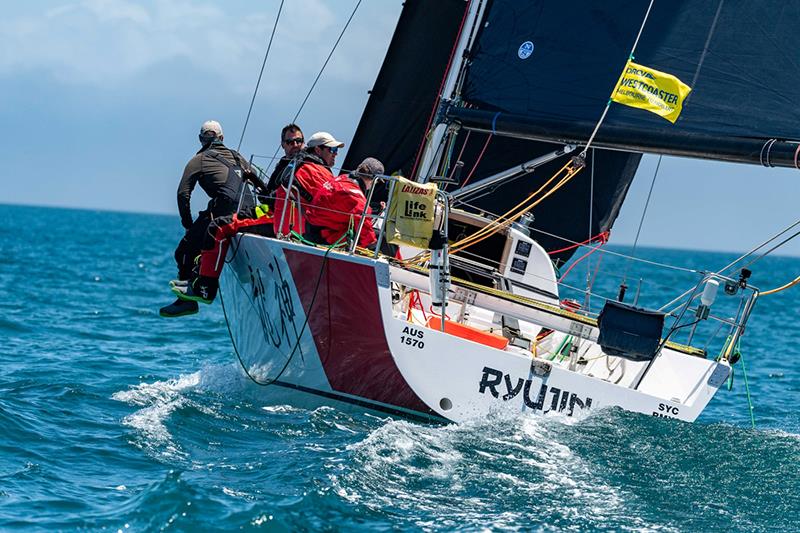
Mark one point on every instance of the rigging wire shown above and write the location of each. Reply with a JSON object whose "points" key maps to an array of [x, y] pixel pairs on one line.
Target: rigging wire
{"points": [[260, 74], [321, 70], [335, 45], [602, 251], [641, 221], [762, 256], [744, 256], [439, 92], [608, 104]]}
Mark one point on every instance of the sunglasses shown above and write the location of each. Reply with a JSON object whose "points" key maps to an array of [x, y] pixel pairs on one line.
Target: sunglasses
{"points": [[334, 150], [296, 140]]}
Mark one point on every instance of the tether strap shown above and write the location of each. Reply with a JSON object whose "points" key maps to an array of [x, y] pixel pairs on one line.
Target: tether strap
{"points": [[218, 156]]}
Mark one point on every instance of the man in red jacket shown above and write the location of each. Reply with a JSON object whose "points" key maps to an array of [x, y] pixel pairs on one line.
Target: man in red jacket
{"points": [[312, 168]]}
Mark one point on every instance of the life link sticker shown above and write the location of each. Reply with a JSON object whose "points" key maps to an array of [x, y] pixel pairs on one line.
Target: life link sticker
{"points": [[525, 50]]}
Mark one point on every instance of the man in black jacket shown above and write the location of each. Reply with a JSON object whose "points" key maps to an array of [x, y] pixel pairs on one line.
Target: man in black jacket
{"points": [[220, 171], [292, 142]]}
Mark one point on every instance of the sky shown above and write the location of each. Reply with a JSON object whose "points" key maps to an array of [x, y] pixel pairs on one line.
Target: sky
{"points": [[101, 102]]}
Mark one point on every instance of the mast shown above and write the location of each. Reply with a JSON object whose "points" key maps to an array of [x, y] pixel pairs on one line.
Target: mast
{"points": [[431, 154], [398, 111]]}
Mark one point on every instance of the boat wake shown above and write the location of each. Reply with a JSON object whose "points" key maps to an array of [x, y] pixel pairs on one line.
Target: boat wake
{"points": [[608, 469], [160, 400], [502, 471]]}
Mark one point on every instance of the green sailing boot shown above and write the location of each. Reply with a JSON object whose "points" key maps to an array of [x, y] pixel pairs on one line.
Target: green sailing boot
{"points": [[202, 290]]}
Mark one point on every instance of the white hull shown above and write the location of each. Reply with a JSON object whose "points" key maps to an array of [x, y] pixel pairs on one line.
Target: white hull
{"points": [[326, 329]]}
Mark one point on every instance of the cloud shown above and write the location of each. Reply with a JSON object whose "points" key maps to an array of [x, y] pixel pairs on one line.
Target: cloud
{"points": [[106, 43]]}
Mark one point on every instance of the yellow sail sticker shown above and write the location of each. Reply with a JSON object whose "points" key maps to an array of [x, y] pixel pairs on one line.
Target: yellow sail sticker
{"points": [[650, 89]]}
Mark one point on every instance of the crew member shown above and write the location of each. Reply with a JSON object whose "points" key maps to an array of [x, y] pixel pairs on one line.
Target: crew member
{"points": [[292, 142], [365, 176], [338, 205], [312, 169], [220, 171]]}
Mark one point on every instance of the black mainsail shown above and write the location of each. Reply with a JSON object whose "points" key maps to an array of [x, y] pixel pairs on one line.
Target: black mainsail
{"points": [[738, 56]]}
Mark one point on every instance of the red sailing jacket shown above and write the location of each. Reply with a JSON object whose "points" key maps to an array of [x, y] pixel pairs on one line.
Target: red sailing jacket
{"points": [[308, 178], [334, 204]]}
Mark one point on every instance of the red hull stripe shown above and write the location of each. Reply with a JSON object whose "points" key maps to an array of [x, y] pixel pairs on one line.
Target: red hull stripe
{"points": [[348, 331]]}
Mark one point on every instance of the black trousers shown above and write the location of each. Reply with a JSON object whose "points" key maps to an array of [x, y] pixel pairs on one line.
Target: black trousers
{"points": [[201, 236], [190, 245]]}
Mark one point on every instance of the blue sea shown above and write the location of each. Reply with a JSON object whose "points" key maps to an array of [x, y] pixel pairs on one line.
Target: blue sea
{"points": [[112, 418]]}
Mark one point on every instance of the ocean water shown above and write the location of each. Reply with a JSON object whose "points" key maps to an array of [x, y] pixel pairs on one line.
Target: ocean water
{"points": [[112, 418]]}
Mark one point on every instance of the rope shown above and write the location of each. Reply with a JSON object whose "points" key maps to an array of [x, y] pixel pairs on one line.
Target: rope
{"points": [[260, 74], [587, 298], [460, 153], [602, 236], [708, 43], [584, 256], [521, 208], [477, 161], [507, 218], [796, 154], [750, 406], [608, 104], [789, 285]]}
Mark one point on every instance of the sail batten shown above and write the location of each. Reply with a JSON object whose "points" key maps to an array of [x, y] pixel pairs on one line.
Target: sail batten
{"points": [[766, 152]]}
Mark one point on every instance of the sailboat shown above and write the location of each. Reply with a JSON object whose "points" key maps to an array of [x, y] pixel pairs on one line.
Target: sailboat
{"points": [[506, 108]]}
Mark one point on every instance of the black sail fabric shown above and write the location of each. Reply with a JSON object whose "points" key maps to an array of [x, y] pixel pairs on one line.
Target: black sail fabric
{"points": [[392, 127], [543, 70]]}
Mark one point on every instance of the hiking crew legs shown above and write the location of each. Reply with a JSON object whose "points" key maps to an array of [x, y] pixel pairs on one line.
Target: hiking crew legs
{"points": [[190, 245]]}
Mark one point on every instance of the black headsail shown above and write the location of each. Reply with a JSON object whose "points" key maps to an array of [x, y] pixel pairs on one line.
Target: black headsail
{"points": [[394, 124], [541, 70]]}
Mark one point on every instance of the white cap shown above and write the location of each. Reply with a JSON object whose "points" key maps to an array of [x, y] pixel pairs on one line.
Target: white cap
{"points": [[323, 138], [211, 126]]}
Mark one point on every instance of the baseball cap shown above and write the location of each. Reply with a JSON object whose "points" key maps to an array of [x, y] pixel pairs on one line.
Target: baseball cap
{"points": [[323, 138], [211, 126], [370, 166]]}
